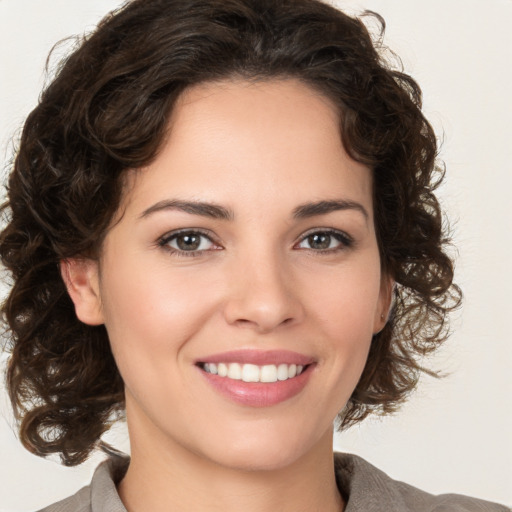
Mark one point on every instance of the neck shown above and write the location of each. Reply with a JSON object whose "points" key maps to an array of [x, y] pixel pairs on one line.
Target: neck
{"points": [[163, 477]]}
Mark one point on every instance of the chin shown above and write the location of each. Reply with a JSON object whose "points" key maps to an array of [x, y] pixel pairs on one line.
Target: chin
{"points": [[256, 460], [272, 452]]}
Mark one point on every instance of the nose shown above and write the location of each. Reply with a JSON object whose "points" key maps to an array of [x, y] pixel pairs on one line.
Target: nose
{"points": [[262, 296]]}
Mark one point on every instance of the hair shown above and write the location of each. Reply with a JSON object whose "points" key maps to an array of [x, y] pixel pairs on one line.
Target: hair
{"points": [[107, 110]]}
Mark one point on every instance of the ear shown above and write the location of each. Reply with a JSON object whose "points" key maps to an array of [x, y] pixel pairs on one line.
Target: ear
{"points": [[387, 286], [81, 278]]}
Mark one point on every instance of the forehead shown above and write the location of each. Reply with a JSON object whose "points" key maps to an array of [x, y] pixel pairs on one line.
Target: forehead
{"points": [[253, 140]]}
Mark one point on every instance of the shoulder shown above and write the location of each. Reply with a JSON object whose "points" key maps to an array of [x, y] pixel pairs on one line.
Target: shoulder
{"points": [[79, 502], [368, 489], [101, 495]]}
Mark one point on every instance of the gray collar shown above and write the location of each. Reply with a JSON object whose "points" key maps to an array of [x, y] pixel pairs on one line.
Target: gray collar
{"points": [[364, 487]]}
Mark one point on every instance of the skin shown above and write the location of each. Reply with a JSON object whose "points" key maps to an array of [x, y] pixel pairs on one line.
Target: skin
{"points": [[259, 150]]}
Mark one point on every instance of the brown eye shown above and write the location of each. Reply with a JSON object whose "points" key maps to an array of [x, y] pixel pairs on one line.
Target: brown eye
{"points": [[325, 241], [187, 241], [319, 241]]}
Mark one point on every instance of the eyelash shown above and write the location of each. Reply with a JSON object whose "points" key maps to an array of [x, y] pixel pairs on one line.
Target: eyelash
{"points": [[168, 238], [345, 241]]}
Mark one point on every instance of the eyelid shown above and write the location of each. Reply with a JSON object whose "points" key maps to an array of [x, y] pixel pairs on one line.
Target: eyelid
{"points": [[346, 241], [164, 240]]}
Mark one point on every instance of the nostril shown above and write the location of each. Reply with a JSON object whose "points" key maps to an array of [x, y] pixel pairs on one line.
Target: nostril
{"points": [[264, 310], [263, 325]]}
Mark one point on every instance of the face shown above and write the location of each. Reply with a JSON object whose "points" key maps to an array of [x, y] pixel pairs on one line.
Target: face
{"points": [[241, 284]]}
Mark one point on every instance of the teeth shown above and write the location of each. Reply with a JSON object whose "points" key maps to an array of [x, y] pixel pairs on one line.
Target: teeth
{"points": [[268, 373], [254, 373], [222, 370], [282, 372], [234, 371], [250, 373]]}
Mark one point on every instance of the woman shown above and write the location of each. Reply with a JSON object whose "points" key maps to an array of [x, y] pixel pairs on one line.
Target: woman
{"points": [[190, 238]]}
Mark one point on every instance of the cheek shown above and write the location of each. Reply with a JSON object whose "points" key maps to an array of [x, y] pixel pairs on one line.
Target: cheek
{"points": [[345, 305], [150, 321], [347, 302], [149, 314]]}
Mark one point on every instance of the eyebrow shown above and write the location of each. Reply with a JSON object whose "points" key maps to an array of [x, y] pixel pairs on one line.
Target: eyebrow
{"points": [[215, 211], [306, 210], [202, 208]]}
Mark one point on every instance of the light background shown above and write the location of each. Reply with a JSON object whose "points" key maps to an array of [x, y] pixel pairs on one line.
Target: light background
{"points": [[455, 435]]}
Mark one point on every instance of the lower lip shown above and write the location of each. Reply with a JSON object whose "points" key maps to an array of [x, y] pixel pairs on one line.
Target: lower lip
{"points": [[259, 394]]}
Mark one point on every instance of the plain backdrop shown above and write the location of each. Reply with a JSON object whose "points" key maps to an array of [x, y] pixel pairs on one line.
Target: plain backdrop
{"points": [[454, 435]]}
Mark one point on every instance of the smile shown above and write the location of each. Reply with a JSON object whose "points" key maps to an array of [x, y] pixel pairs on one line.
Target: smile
{"points": [[254, 373], [257, 378]]}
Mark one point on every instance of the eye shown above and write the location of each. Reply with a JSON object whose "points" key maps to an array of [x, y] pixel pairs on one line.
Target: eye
{"points": [[325, 241], [187, 243]]}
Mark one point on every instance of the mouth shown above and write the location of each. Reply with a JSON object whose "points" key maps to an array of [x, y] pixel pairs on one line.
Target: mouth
{"points": [[247, 372], [257, 378]]}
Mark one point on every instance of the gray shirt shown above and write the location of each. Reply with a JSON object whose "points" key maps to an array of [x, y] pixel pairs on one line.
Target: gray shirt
{"points": [[364, 487]]}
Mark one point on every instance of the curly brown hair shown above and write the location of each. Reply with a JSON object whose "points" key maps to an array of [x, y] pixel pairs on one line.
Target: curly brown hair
{"points": [[107, 111]]}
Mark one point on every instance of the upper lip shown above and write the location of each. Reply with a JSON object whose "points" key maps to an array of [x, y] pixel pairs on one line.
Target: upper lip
{"points": [[258, 357]]}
